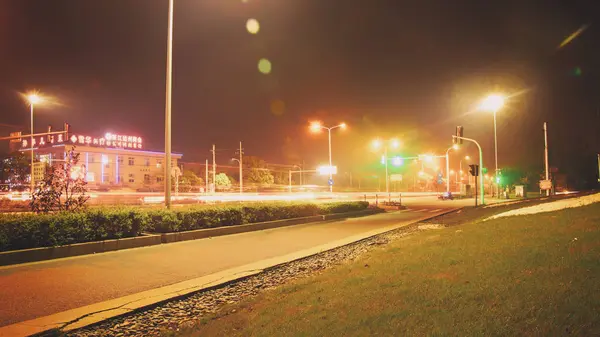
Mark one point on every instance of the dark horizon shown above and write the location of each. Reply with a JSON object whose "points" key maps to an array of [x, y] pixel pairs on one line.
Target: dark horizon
{"points": [[411, 71]]}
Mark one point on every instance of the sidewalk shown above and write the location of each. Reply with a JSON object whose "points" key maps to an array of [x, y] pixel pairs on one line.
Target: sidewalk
{"points": [[45, 288]]}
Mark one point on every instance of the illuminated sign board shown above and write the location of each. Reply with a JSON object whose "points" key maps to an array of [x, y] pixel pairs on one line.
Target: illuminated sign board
{"points": [[109, 140], [327, 170]]}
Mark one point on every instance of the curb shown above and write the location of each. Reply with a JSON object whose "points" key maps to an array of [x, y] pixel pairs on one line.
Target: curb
{"points": [[97, 313], [150, 239]]}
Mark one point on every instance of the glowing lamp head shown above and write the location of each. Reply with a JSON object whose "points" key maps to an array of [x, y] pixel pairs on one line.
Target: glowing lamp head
{"points": [[315, 126], [395, 143], [34, 99], [343, 126], [376, 144], [492, 103], [467, 157], [397, 161], [451, 171], [455, 146]]}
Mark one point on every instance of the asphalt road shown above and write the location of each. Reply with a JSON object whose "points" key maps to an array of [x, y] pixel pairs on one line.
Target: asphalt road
{"points": [[38, 289]]}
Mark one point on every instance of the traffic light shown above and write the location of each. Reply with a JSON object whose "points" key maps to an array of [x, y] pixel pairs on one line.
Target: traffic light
{"points": [[398, 161], [474, 170], [459, 133]]}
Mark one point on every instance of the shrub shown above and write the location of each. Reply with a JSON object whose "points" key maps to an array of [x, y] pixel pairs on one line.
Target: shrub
{"points": [[43, 230]]}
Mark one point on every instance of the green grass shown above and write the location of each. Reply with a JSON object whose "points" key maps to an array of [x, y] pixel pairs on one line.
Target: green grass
{"points": [[519, 276]]}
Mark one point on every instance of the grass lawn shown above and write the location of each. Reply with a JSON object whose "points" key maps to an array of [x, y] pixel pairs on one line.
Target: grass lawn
{"points": [[532, 275]]}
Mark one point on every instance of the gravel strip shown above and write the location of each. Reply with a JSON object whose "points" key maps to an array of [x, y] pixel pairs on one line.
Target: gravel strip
{"points": [[185, 312]]}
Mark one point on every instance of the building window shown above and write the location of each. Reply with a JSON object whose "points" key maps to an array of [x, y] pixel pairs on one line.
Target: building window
{"points": [[131, 178], [131, 161], [120, 159], [105, 161], [159, 179], [105, 178], [146, 161], [91, 158], [120, 179], [146, 179], [158, 163]]}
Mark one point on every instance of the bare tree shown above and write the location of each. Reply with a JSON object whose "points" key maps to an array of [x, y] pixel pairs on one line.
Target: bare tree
{"points": [[63, 188]]}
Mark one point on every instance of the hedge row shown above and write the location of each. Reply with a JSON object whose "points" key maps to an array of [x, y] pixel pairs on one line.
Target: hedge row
{"points": [[32, 230]]}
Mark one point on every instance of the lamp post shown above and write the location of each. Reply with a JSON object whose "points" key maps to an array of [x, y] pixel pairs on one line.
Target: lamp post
{"points": [[241, 177], [316, 127], [168, 87], [461, 170], [493, 103], [455, 147], [394, 143], [33, 99]]}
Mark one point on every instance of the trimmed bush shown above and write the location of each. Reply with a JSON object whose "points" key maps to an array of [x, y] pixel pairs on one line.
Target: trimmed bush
{"points": [[95, 224]]}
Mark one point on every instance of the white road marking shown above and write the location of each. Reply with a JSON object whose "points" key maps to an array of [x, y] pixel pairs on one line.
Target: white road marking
{"points": [[435, 210]]}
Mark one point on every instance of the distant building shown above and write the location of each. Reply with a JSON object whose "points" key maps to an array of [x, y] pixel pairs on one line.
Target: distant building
{"points": [[110, 161]]}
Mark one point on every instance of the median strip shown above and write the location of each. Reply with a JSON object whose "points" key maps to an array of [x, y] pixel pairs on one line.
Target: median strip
{"points": [[151, 239]]}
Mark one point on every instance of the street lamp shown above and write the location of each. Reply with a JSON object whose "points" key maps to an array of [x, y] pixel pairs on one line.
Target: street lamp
{"points": [[241, 177], [453, 147], [377, 144], [33, 99], [460, 169], [316, 127], [493, 103], [168, 87]]}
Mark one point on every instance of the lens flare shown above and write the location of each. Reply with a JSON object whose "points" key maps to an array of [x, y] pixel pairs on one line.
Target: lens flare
{"points": [[264, 66], [252, 26]]}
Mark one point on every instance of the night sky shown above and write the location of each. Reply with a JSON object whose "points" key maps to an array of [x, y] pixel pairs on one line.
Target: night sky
{"points": [[409, 69]]}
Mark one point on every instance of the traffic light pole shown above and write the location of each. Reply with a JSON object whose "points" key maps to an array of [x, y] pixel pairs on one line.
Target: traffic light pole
{"points": [[481, 191]]}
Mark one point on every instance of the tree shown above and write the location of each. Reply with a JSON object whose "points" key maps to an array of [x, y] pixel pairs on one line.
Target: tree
{"points": [[15, 169], [222, 181], [257, 171], [282, 178], [63, 188], [188, 180], [259, 176]]}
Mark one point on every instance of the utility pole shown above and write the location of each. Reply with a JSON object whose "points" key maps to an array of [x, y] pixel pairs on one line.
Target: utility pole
{"points": [[546, 153], [206, 177], [214, 173], [241, 177]]}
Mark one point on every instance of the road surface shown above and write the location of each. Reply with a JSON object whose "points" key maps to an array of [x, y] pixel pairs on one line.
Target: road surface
{"points": [[43, 288]]}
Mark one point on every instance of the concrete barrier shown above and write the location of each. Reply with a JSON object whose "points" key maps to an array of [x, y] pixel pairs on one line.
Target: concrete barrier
{"points": [[77, 249]]}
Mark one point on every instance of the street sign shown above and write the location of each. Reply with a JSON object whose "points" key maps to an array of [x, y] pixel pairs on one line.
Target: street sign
{"points": [[330, 182], [545, 184], [396, 177]]}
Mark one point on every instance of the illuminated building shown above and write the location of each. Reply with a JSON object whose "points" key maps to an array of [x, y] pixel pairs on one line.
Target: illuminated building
{"points": [[110, 161]]}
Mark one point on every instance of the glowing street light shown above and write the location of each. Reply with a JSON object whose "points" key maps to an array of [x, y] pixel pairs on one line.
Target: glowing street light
{"points": [[493, 103], [33, 98], [460, 169], [318, 126], [394, 143]]}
